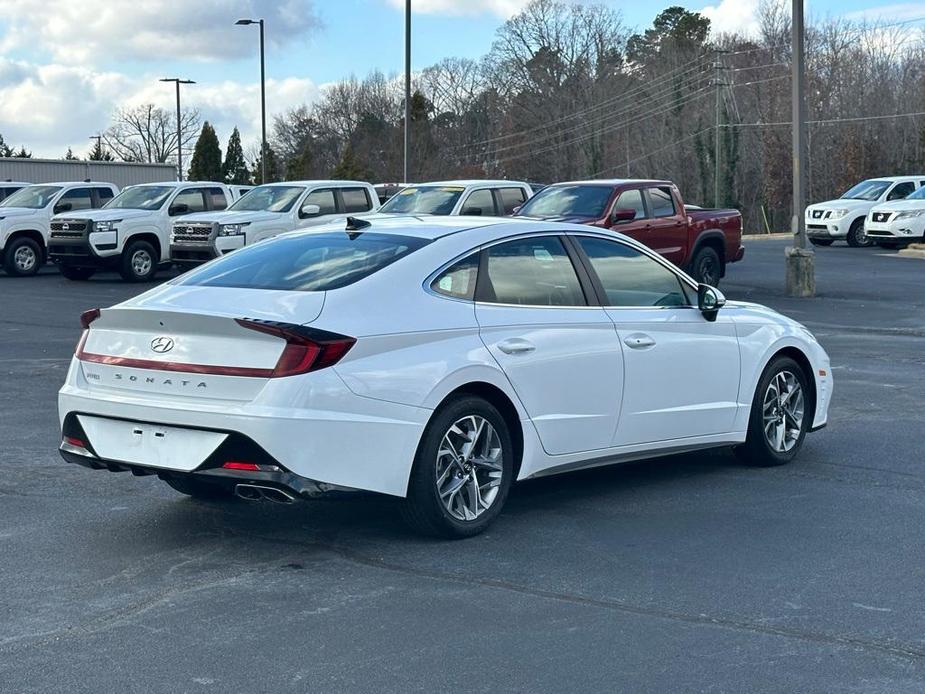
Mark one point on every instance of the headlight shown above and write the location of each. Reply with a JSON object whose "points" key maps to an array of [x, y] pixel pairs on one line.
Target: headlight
{"points": [[908, 214], [106, 226], [231, 230], [838, 214]]}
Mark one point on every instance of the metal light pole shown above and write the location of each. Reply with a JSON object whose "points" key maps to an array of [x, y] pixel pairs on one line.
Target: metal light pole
{"points": [[407, 87], [99, 142], [263, 99], [178, 82], [801, 273]]}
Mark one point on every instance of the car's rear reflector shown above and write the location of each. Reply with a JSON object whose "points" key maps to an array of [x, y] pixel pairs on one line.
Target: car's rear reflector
{"points": [[74, 441], [238, 465]]}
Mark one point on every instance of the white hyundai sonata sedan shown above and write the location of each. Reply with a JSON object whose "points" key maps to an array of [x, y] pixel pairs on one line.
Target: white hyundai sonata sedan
{"points": [[434, 360]]}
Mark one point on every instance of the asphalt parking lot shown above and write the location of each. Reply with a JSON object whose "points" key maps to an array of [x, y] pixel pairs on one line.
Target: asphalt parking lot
{"points": [[689, 573]]}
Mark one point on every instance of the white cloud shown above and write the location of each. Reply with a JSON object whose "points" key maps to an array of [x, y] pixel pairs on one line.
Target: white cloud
{"points": [[730, 16], [86, 32], [499, 8], [888, 13], [50, 107]]}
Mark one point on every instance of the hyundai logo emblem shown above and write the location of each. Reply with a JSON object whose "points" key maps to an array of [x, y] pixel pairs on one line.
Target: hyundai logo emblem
{"points": [[162, 344]]}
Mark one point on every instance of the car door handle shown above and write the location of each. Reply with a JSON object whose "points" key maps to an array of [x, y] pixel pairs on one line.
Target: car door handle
{"points": [[638, 341], [516, 345]]}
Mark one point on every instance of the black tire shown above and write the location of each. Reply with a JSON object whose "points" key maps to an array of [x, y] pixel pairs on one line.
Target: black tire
{"points": [[757, 451], [198, 489], [78, 274], [23, 257], [856, 237], [821, 242], [133, 268], [706, 267], [423, 509]]}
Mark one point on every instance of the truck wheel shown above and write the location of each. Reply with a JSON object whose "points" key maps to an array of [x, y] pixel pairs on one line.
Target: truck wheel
{"points": [[139, 262], [857, 237], [78, 274], [706, 267], [820, 242], [23, 257]]}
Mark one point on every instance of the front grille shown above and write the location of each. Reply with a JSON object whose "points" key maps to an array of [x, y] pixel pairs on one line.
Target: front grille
{"points": [[192, 233], [68, 228]]}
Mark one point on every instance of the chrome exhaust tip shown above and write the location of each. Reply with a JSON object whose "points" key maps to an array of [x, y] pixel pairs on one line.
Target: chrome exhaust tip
{"points": [[258, 492]]}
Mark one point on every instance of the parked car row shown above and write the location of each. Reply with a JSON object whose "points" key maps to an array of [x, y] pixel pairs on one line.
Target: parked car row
{"points": [[887, 211], [86, 227]]}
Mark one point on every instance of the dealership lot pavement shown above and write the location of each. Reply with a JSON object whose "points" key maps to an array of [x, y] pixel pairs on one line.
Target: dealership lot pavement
{"points": [[690, 573]]}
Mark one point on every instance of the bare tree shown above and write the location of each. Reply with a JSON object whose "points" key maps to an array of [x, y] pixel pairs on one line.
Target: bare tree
{"points": [[148, 133]]}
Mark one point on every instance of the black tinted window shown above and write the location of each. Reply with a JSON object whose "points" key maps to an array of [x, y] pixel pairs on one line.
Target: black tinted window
{"points": [[324, 199], [901, 190], [631, 200], [105, 195], [79, 199], [631, 278], [218, 198], [458, 280], [355, 200], [480, 202], [661, 203], [532, 272], [511, 198], [313, 262]]}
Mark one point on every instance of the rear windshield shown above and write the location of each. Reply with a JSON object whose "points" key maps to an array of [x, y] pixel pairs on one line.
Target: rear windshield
{"points": [[567, 201], [310, 262]]}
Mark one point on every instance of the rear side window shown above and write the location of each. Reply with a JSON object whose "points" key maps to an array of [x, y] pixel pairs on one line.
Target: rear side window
{"points": [[661, 203], [219, 202], [313, 262], [631, 278], [458, 280], [511, 198], [355, 200], [324, 199], [632, 200], [480, 202], [531, 272]]}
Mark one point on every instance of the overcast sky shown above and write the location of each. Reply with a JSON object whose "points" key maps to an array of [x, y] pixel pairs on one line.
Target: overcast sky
{"points": [[66, 64]]}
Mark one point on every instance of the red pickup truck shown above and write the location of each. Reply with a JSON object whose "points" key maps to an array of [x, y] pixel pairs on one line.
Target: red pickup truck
{"points": [[652, 212]]}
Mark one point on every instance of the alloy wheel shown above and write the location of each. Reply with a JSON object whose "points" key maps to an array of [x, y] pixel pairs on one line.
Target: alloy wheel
{"points": [[782, 411], [469, 468], [24, 259], [141, 263], [708, 272]]}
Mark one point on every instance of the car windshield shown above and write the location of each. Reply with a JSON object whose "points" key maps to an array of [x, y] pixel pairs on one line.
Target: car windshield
{"points": [[268, 199], [567, 201], [867, 190], [917, 195], [140, 198], [312, 262], [32, 197], [424, 200]]}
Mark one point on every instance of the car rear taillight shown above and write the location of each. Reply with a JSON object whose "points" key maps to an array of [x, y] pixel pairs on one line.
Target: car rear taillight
{"points": [[307, 349], [86, 318]]}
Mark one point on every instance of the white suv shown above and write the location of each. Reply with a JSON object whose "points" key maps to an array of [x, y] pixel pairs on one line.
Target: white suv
{"points": [[25, 217], [827, 222], [132, 233], [264, 212], [899, 222], [481, 198]]}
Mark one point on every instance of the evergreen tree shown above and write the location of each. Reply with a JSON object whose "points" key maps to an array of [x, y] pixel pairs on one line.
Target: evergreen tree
{"points": [[23, 154], [300, 168], [100, 154], [273, 168], [206, 164], [234, 168], [5, 150], [349, 168], [69, 155]]}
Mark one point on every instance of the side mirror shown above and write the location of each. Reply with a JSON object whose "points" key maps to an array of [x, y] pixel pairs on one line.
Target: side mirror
{"points": [[309, 210], [178, 208], [516, 209], [472, 211], [63, 207], [709, 300], [623, 214]]}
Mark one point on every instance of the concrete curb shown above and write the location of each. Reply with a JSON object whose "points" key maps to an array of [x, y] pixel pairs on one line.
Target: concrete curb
{"points": [[913, 250], [761, 237]]}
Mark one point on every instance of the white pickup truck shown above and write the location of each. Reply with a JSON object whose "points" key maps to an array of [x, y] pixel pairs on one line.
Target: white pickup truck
{"points": [[132, 233], [264, 212], [26, 213]]}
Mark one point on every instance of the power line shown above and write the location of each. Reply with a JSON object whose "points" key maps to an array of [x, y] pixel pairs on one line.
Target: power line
{"points": [[826, 121], [653, 151]]}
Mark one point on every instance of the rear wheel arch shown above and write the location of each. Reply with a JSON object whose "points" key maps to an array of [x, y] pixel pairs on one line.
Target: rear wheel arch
{"points": [[505, 406], [715, 239]]}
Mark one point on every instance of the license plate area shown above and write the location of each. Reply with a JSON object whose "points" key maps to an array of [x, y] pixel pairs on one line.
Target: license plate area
{"points": [[155, 445]]}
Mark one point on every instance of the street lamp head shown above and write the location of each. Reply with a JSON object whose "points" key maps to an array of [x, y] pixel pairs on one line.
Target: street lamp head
{"points": [[245, 22], [177, 80]]}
